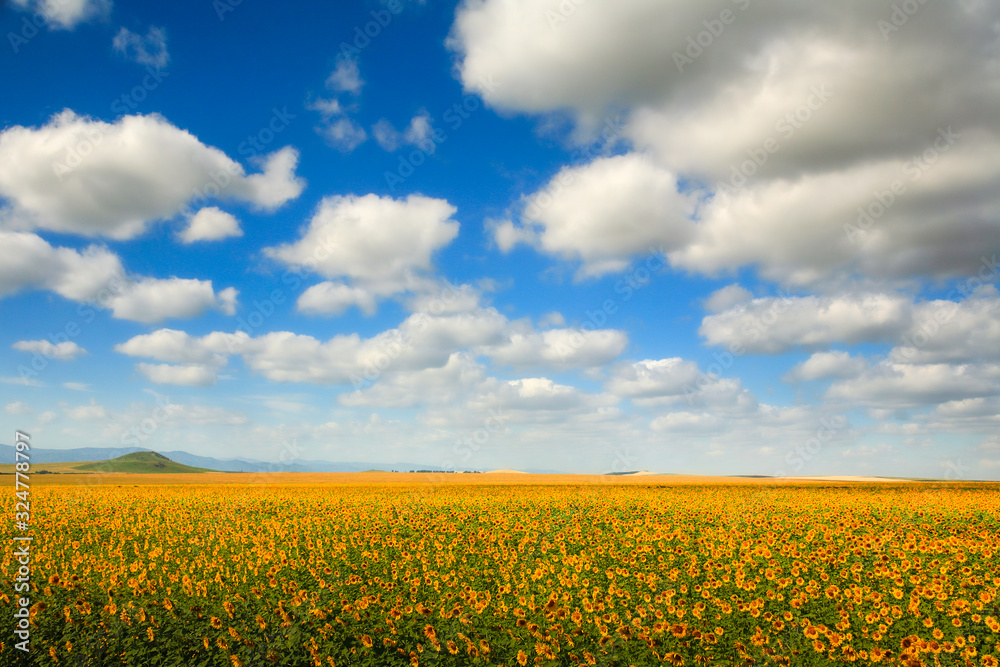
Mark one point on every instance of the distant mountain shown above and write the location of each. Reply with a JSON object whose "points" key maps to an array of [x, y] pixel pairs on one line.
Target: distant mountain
{"points": [[221, 465], [139, 462]]}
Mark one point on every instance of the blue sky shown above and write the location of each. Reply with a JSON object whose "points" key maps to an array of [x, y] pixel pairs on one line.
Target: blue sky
{"points": [[725, 237]]}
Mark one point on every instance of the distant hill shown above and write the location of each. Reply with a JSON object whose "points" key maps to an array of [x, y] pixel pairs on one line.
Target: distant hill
{"points": [[87, 454], [140, 462]]}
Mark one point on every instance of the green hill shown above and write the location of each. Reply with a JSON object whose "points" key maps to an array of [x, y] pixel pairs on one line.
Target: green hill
{"points": [[139, 462]]}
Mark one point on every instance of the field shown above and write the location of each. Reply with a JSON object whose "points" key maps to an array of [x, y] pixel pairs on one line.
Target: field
{"points": [[477, 571]]}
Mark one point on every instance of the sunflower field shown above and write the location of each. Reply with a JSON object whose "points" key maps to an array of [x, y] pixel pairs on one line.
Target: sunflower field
{"points": [[452, 574]]}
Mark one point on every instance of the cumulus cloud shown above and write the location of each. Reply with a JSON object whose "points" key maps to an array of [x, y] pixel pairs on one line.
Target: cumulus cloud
{"points": [[66, 14], [773, 325], [780, 122], [953, 331], [826, 365], [653, 378], [334, 298], [90, 177], [726, 298], [189, 361], [604, 212], [189, 375], [210, 224], [153, 300], [558, 348], [380, 245], [96, 275], [891, 385], [65, 351], [149, 50]]}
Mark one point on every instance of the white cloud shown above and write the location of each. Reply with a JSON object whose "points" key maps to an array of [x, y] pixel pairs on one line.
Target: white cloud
{"points": [[17, 408], [67, 14], [76, 386], [826, 365], [91, 412], [891, 385], [343, 134], [95, 275], [558, 348], [173, 346], [90, 177], [776, 324], [210, 224], [153, 300], [65, 351], [149, 50], [380, 244], [331, 298], [653, 378], [345, 77], [189, 375], [953, 331], [726, 298], [797, 103], [418, 133], [605, 212]]}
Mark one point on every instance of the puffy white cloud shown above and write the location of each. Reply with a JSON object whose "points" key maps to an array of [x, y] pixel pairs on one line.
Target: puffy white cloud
{"points": [[776, 324], [95, 275], [66, 14], [28, 261], [785, 104], [382, 245], [210, 224], [65, 351], [190, 361], [332, 298], [953, 331], [604, 212], [345, 77], [726, 298], [173, 346], [459, 377], [149, 50], [190, 375], [90, 177], [652, 378], [558, 348], [825, 365], [892, 385], [153, 300]]}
